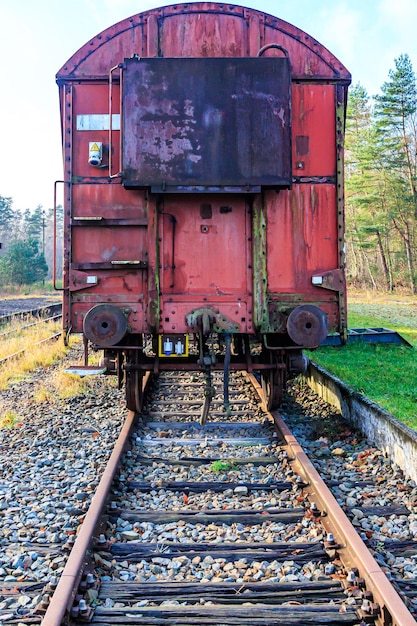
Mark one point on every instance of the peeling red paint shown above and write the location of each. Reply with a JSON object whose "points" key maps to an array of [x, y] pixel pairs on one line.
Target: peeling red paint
{"points": [[267, 175]]}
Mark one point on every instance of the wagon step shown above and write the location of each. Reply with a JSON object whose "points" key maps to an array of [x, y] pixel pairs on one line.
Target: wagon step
{"points": [[85, 370]]}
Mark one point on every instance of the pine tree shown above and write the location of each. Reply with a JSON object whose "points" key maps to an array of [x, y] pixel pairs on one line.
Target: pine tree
{"points": [[396, 126], [368, 222], [7, 220], [23, 264]]}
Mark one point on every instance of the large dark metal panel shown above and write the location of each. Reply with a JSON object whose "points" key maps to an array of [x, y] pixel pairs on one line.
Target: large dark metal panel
{"points": [[197, 124]]}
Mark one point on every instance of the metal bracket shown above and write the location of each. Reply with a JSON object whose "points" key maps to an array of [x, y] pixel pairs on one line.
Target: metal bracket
{"points": [[332, 280], [210, 320]]}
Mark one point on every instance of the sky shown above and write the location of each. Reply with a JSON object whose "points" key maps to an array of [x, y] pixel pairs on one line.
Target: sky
{"points": [[38, 36]]}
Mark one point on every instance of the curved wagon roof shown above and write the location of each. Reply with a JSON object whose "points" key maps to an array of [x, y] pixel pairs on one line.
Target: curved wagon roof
{"points": [[177, 31]]}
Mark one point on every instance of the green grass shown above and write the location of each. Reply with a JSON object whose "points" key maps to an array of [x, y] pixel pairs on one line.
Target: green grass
{"points": [[223, 466], [385, 373]]}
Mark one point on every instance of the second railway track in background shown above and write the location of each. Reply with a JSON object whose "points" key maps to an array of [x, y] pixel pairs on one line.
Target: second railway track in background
{"points": [[45, 311], [21, 320], [220, 524]]}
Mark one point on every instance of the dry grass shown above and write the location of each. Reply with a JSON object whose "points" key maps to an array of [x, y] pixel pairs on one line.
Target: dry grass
{"points": [[65, 385], [34, 354], [20, 338], [58, 385], [10, 420]]}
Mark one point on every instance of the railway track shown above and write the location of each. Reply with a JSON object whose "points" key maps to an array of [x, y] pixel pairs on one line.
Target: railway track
{"points": [[17, 311], [223, 524]]}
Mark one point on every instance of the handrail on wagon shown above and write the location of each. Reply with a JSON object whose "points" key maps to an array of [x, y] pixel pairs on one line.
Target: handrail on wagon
{"points": [[57, 182], [119, 66]]}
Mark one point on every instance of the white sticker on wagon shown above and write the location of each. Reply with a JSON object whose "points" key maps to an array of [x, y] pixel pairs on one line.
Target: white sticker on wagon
{"points": [[98, 121]]}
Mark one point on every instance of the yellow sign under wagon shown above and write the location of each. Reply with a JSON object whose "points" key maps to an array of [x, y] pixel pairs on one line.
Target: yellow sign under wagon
{"points": [[173, 345]]}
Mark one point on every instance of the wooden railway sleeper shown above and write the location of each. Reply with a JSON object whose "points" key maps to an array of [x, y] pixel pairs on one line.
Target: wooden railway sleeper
{"points": [[371, 611]]}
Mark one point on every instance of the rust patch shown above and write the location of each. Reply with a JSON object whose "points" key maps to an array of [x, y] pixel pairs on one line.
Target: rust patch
{"points": [[206, 122]]}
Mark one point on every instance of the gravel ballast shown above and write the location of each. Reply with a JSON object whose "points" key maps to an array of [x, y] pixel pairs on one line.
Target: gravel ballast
{"points": [[52, 459]]}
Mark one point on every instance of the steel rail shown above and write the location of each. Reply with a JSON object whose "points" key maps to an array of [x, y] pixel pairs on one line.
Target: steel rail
{"points": [[39, 343], [351, 549], [66, 589], [27, 313], [20, 328], [354, 553]]}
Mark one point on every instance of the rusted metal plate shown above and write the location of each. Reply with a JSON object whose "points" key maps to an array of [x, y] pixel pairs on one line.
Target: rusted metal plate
{"points": [[302, 238], [314, 146], [202, 253], [206, 124], [205, 256]]}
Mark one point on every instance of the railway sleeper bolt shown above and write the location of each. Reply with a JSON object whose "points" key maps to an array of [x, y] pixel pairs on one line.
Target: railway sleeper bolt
{"points": [[295, 480], [93, 586], [67, 547], [286, 460], [87, 582], [101, 543], [43, 604], [82, 611], [369, 611], [331, 546], [300, 482], [330, 542], [351, 577], [353, 580], [315, 511]]}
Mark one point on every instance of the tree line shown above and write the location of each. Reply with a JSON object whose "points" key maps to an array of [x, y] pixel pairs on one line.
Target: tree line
{"points": [[380, 192], [381, 183], [26, 238]]}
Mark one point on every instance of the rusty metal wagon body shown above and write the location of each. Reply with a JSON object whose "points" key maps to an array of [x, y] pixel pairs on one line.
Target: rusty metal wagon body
{"points": [[203, 193]]}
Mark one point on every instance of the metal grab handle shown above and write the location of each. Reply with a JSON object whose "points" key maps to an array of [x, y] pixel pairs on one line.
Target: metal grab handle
{"points": [[273, 45], [119, 66], [57, 182]]}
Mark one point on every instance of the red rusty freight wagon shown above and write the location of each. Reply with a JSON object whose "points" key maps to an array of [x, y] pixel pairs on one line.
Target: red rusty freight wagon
{"points": [[203, 194]]}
